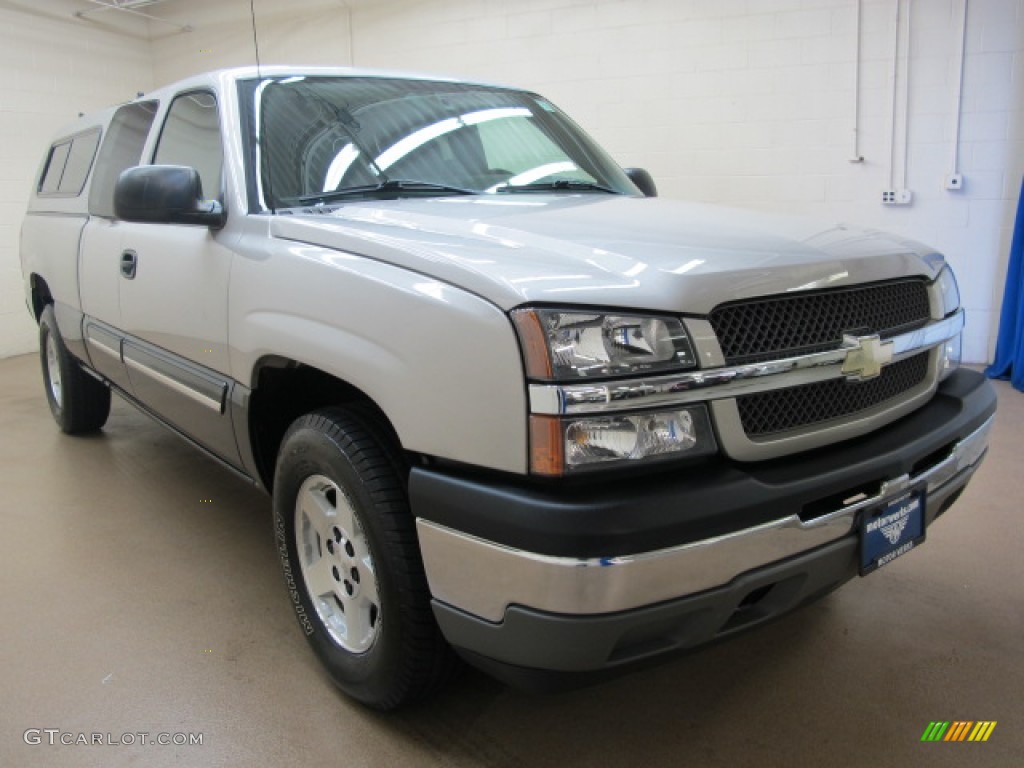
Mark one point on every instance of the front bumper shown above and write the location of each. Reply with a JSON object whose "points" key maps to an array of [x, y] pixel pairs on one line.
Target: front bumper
{"points": [[580, 610]]}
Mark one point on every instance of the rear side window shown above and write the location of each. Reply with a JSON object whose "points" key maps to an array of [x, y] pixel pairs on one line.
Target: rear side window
{"points": [[121, 149], [76, 170], [68, 164], [50, 182]]}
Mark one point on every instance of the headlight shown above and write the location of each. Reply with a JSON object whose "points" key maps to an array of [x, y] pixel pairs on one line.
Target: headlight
{"points": [[570, 444], [950, 352], [562, 345], [949, 290]]}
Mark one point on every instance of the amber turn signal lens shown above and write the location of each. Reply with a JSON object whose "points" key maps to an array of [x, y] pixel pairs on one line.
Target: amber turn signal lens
{"points": [[547, 446], [534, 342]]}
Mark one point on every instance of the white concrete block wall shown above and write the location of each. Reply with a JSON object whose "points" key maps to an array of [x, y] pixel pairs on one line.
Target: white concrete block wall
{"points": [[54, 66], [304, 31], [741, 102]]}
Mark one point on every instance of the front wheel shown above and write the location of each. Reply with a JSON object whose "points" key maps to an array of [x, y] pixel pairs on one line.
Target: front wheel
{"points": [[79, 403], [348, 547]]}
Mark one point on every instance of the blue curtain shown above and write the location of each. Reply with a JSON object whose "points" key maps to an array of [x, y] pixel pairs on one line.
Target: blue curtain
{"points": [[1009, 362]]}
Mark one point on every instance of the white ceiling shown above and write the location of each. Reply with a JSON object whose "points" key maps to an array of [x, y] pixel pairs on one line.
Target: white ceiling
{"points": [[137, 8]]}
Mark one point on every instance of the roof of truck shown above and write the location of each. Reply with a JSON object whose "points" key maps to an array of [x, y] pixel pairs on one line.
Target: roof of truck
{"points": [[217, 77]]}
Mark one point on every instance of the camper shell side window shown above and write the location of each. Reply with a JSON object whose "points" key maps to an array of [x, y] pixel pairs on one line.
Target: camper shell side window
{"points": [[68, 164]]}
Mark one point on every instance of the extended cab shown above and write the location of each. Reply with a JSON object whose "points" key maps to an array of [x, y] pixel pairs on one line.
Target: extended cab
{"points": [[506, 400]]}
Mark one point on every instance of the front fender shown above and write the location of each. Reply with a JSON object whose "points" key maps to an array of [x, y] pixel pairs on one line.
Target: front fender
{"points": [[442, 364]]}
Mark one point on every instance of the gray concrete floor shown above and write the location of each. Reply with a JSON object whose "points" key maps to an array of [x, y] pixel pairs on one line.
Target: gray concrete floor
{"points": [[141, 593]]}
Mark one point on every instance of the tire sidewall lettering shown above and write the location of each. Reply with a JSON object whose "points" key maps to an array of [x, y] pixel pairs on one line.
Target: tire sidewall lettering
{"points": [[295, 595]]}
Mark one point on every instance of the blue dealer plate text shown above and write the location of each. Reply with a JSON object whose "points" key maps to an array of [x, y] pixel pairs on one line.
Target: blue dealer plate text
{"points": [[891, 531]]}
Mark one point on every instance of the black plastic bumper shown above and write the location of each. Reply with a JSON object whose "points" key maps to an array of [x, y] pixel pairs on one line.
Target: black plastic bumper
{"points": [[531, 646]]}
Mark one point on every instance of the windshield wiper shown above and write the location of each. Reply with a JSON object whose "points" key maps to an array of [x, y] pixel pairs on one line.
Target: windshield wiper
{"points": [[572, 185], [390, 189]]}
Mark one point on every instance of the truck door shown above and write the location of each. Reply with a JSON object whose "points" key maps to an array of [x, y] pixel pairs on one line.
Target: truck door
{"points": [[173, 291], [100, 249]]}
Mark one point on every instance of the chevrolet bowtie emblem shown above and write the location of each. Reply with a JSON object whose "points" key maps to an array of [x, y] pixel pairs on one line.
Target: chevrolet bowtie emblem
{"points": [[865, 356]]}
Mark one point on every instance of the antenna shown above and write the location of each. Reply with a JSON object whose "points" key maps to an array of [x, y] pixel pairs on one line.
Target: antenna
{"points": [[261, 148], [255, 41]]}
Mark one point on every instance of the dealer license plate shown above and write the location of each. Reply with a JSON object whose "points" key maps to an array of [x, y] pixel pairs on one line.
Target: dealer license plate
{"points": [[891, 531]]}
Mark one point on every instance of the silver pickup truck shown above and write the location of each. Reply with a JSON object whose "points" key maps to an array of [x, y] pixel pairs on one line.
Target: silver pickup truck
{"points": [[509, 404]]}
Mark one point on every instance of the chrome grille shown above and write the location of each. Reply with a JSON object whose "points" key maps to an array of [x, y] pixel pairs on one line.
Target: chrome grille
{"points": [[786, 409], [784, 326]]}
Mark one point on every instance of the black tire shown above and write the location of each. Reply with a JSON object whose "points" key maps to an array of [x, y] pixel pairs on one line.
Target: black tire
{"points": [[79, 403], [340, 498]]}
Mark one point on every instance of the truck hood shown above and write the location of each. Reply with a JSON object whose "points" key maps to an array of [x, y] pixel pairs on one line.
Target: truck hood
{"points": [[641, 253]]}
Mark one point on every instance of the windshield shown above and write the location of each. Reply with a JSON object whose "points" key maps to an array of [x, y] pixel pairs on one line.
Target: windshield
{"points": [[317, 139]]}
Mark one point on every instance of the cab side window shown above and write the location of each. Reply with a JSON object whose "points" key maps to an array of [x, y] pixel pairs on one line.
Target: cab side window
{"points": [[191, 136]]}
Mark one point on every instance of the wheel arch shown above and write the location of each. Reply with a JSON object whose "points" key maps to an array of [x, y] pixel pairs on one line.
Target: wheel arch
{"points": [[41, 294], [285, 389]]}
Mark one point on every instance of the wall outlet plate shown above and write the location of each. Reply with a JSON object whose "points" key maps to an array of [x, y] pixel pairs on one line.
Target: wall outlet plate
{"points": [[897, 196], [954, 181]]}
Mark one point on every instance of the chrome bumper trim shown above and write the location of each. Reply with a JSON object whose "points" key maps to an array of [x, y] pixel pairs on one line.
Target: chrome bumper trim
{"points": [[718, 383], [484, 578]]}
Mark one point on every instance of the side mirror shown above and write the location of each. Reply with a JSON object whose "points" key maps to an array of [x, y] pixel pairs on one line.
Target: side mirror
{"points": [[165, 194], [643, 180]]}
